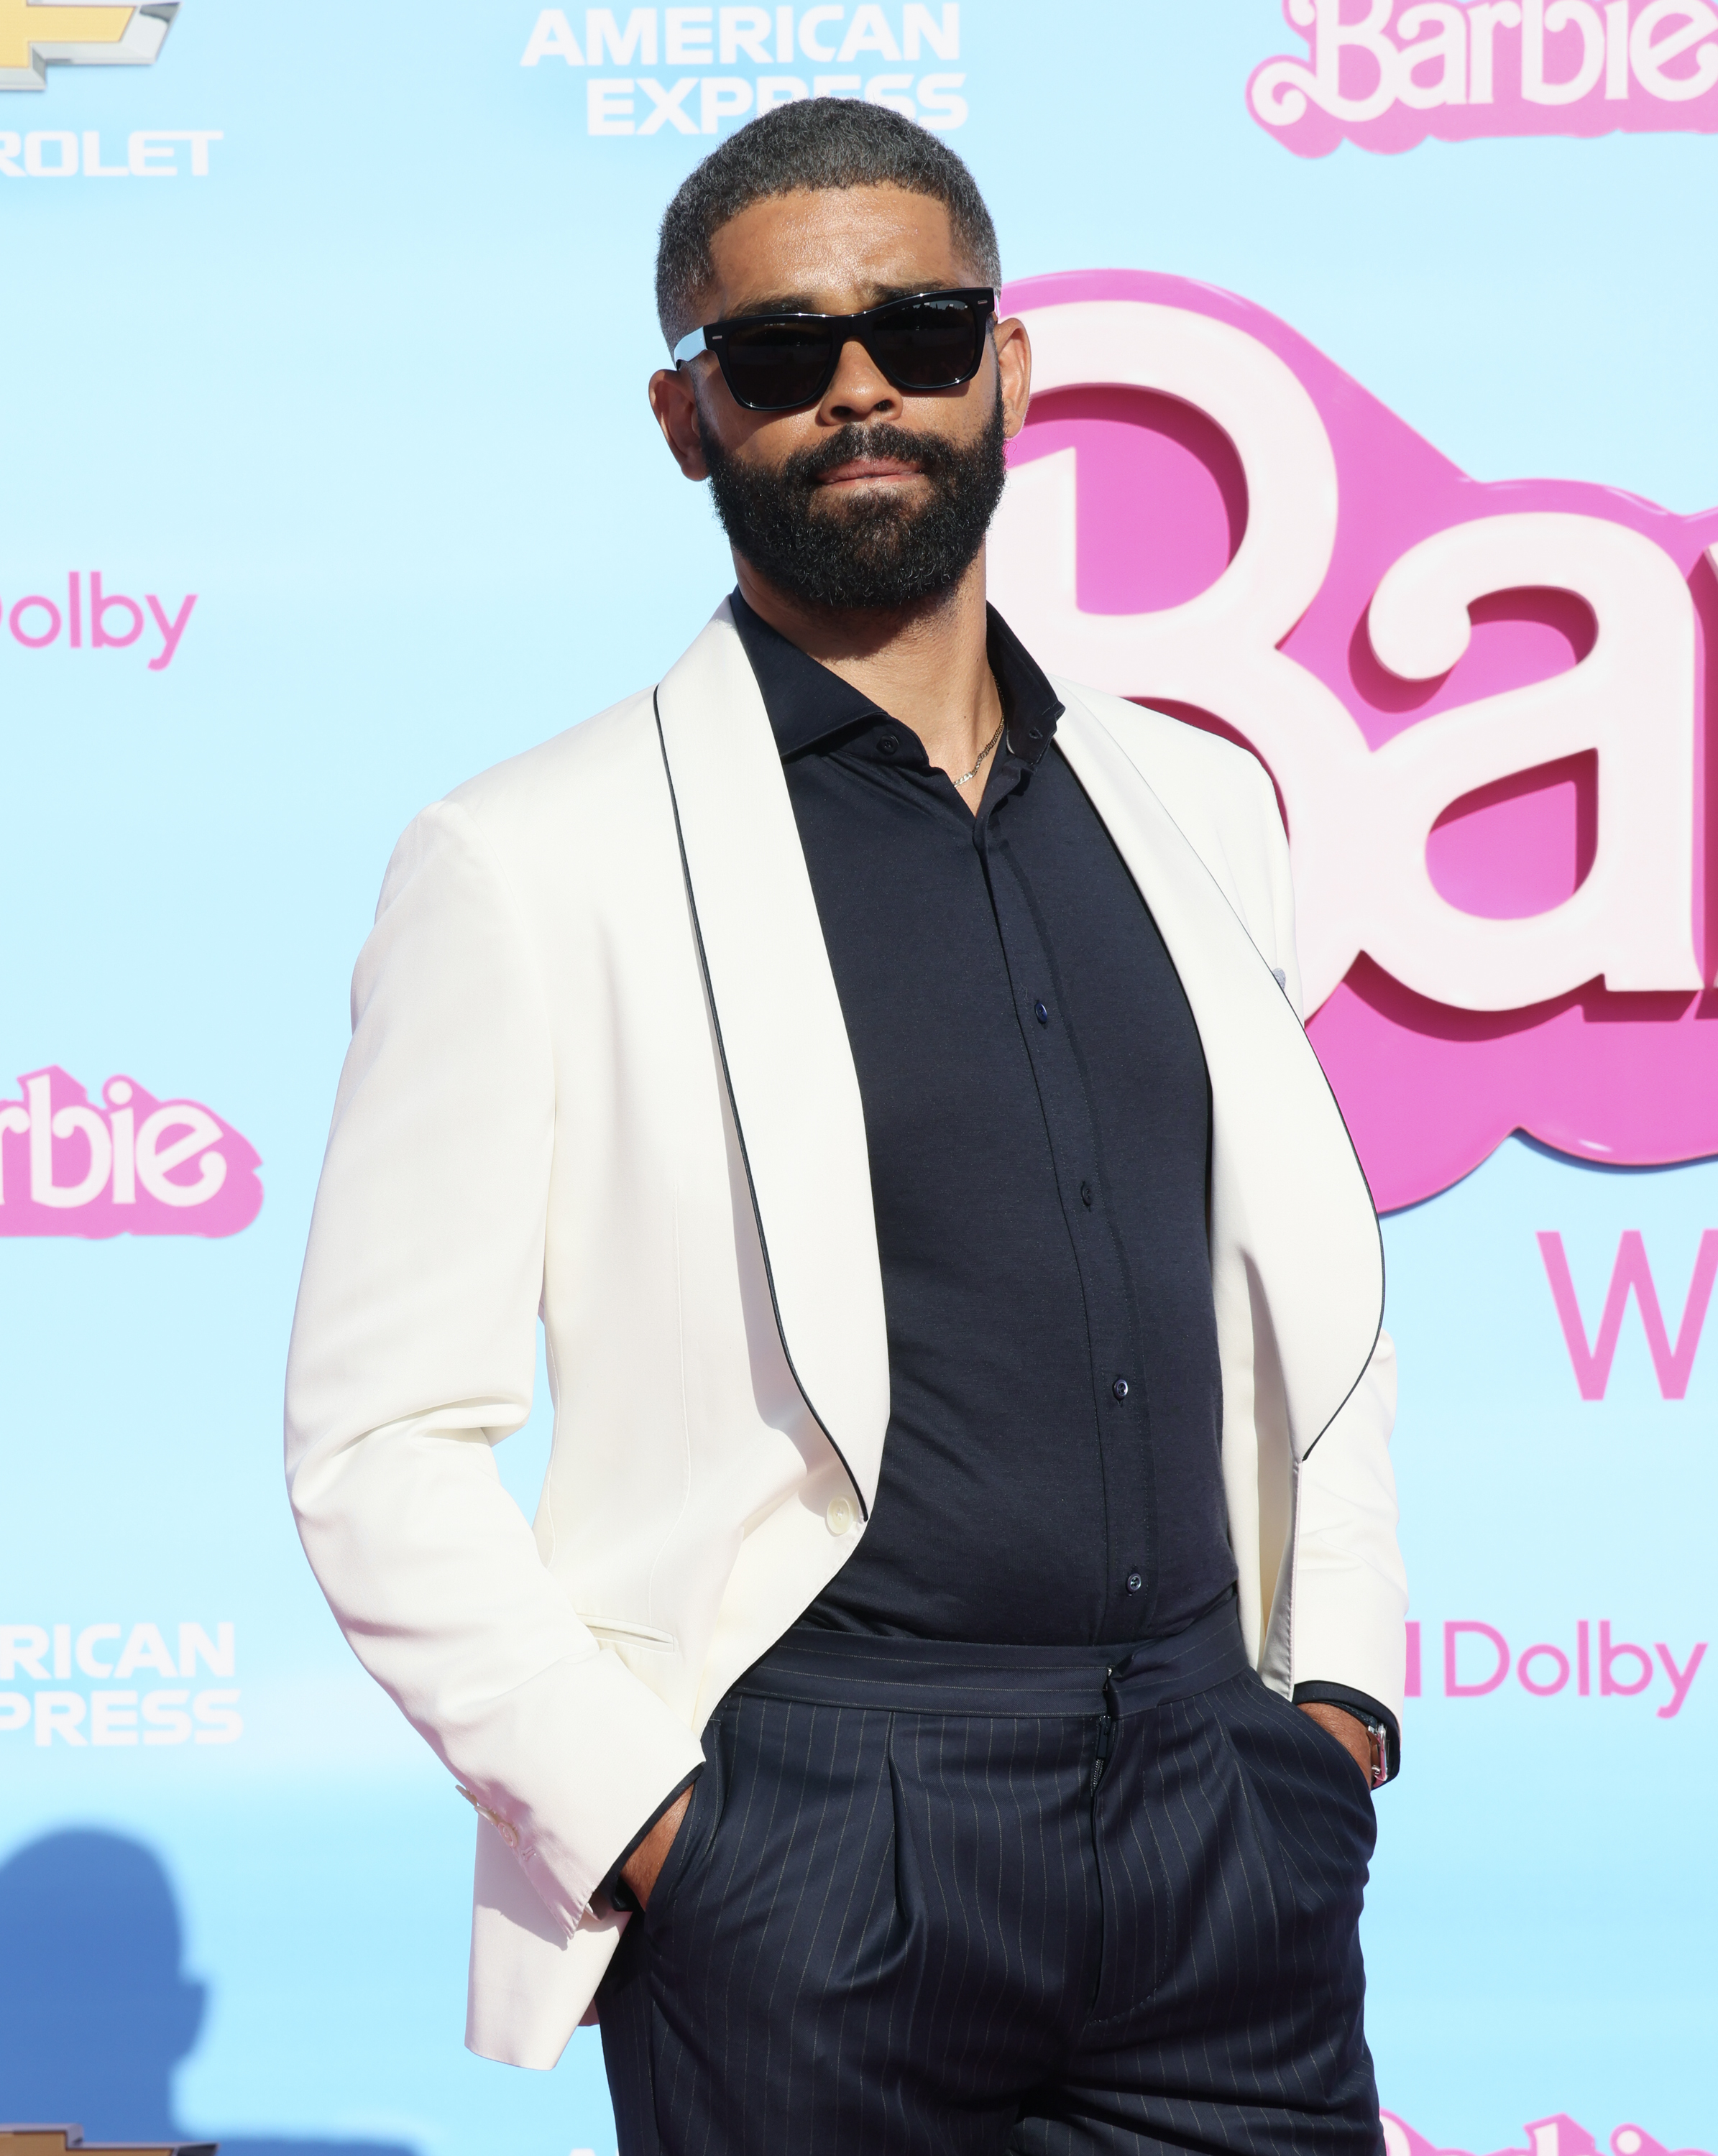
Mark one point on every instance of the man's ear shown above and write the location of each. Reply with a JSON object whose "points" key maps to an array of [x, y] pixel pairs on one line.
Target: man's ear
{"points": [[674, 401], [1014, 372]]}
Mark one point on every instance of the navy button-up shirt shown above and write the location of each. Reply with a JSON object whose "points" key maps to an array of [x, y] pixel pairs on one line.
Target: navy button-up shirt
{"points": [[1038, 1117]]}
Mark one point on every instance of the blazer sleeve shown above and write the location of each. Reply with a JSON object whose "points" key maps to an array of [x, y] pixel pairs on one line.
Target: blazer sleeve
{"points": [[1348, 1584], [1349, 1587], [414, 1352]]}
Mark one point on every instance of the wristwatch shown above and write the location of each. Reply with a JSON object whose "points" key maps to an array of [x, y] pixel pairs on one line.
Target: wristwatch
{"points": [[1377, 1736]]}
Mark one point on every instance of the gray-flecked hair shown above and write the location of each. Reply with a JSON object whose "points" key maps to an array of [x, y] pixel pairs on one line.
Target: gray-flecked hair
{"points": [[812, 143]]}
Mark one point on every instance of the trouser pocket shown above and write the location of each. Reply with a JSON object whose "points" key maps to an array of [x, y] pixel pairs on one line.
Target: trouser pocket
{"points": [[699, 1824]]}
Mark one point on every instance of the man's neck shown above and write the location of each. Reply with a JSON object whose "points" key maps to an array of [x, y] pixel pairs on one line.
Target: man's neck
{"points": [[927, 666]]}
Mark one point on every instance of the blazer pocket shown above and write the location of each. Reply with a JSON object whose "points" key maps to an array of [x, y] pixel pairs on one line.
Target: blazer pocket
{"points": [[626, 1634]]}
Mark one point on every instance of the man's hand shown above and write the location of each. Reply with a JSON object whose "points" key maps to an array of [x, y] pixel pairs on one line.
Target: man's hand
{"points": [[641, 1869], [1347, 1732]]}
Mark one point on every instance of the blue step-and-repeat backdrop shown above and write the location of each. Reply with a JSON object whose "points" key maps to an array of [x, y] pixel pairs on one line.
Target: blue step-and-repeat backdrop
{"points": [[1376, 428]]}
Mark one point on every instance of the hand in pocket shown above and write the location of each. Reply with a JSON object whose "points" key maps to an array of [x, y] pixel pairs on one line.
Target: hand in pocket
{"points": [[644, 1868]]}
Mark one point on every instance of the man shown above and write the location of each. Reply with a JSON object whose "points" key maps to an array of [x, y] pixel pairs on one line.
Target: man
{"points": [[878, 1065]]}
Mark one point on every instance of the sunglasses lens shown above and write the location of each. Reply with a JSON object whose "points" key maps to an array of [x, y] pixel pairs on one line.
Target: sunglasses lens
{"points": [[774, 366], [932, 343]]}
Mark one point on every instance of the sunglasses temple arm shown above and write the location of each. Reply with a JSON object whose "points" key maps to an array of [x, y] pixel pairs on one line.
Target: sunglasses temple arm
{"points": [[690, 346]]}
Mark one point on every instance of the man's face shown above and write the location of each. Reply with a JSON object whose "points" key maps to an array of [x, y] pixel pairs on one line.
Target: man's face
{"points": [[873, 498]]}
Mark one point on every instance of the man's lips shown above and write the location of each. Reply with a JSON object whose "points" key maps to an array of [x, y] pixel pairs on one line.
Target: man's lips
{"points": [[869, 468]]}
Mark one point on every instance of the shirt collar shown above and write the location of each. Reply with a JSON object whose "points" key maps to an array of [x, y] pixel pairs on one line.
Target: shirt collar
{"points": [[808, 705]]}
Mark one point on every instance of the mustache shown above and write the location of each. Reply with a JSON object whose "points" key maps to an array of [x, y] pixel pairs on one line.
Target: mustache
{"points": [[931, 454], [865, 549]]}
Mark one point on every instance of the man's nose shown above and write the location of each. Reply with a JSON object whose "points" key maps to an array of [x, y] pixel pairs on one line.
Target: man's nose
{"points": [[860, 390]]}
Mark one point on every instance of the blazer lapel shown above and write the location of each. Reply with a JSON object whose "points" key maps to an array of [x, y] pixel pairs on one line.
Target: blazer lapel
{"points": [[1288, 1196], [783, 1042]]}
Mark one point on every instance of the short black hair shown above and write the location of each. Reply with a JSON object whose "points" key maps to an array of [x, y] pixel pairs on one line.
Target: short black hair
{"points": [[812, 143]]}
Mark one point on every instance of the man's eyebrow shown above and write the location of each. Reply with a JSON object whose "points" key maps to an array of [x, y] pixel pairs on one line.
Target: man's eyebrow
{"points": [[805, 303], [776, 303]]}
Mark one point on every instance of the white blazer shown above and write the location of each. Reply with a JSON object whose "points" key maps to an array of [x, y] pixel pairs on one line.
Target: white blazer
{"points": [[599, 1073]]}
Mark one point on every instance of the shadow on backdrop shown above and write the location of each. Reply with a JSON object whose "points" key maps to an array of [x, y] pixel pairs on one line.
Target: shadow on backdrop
{"points": [[95, 2012]]}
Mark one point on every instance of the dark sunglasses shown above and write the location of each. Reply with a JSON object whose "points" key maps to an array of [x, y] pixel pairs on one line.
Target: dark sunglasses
{"points": [[776, 362]]}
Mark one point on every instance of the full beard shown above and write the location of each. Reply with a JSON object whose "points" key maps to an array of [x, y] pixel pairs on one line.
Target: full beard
{"points": [[873, 553]]}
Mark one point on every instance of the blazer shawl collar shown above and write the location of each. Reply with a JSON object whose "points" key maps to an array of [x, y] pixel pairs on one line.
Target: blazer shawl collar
{"points": [[1289, 1201], [783, 1042], [1288, 1196]]}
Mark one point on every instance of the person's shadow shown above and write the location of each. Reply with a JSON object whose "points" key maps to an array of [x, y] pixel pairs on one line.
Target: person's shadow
{"points": [[94, 2010]]}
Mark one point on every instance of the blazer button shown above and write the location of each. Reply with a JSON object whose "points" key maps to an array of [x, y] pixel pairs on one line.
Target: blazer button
{"points": [[508, 1832], [839, 1517]]}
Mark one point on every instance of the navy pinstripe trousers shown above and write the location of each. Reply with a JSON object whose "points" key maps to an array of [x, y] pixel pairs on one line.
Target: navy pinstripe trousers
{"points": [[960, 1900]]}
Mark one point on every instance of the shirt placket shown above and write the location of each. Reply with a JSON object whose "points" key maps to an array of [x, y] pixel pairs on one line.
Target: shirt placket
{"points": [[1119, 1397]]}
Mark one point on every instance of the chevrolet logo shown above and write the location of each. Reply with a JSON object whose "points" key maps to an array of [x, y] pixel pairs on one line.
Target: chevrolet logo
{"points": [[34, 34]]}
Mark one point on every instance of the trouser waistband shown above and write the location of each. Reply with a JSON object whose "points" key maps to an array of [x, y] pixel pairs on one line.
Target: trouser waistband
{"points": [[939, 1676]]}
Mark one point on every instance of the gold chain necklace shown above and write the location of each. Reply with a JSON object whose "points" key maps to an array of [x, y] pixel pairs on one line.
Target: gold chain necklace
{"points": [[967, 777]]}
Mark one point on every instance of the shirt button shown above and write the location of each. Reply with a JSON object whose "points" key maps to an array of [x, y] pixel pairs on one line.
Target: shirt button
{"points": [[839, 1517], [1120, 1389], [1085, 1193], [889, 744], [1134, 1583], [1041, 1014]]}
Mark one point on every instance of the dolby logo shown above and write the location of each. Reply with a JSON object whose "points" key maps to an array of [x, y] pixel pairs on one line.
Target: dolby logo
{"points": [[38, 34]]}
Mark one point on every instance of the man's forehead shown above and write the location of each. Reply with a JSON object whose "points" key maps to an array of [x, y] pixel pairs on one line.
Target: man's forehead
{"points": [[836, 248]]}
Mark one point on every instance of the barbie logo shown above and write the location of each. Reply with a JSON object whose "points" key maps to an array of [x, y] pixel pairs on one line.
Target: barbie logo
{"points": [[127, 1164], [1546, 2137], [1485, 708], [1387, 73]]}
